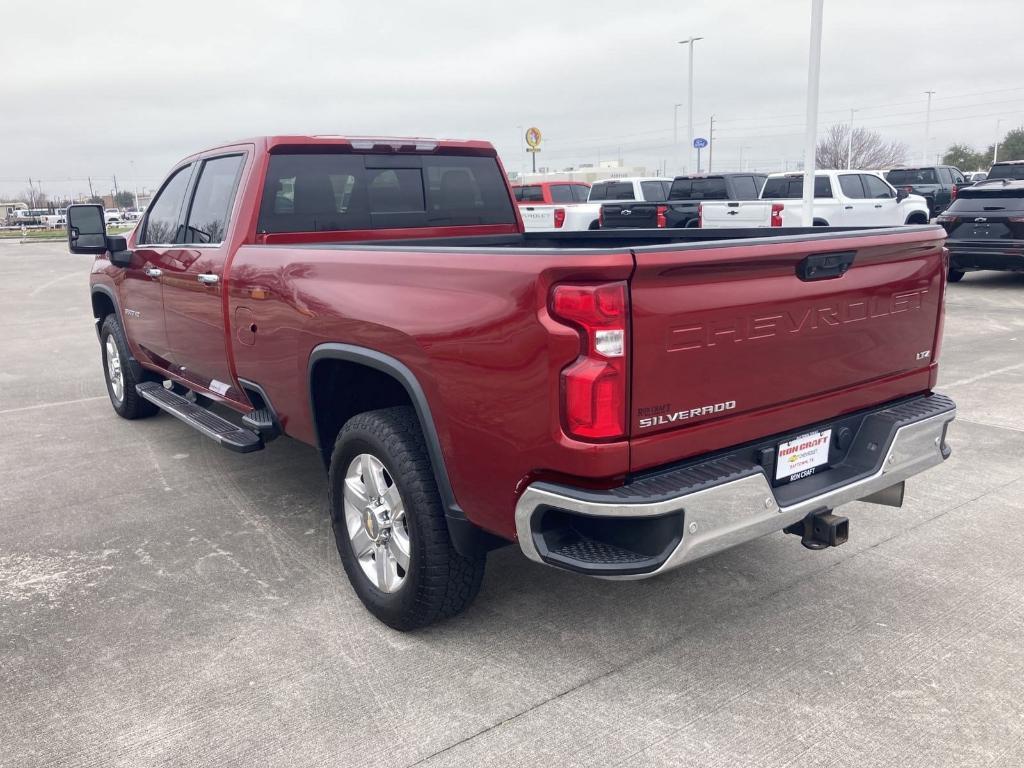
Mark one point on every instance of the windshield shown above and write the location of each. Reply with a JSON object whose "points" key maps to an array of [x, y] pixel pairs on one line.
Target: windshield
{"points": [[1008, 171], [912, 176]]}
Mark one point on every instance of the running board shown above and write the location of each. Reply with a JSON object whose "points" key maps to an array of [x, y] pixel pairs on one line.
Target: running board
{"points": [[232, 437]]}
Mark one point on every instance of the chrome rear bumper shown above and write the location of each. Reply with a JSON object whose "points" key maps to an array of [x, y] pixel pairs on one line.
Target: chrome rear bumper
{"points": [[743, 505]]}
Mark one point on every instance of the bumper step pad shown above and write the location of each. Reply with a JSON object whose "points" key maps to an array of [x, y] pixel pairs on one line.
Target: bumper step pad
{"points": [[229, 435]]}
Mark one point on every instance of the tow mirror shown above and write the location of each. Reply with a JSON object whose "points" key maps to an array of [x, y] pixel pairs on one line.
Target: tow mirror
{"points": [[87, 233]]}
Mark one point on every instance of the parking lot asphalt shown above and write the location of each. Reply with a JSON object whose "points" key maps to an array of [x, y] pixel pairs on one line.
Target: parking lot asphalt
{"points": [[166, 602]]}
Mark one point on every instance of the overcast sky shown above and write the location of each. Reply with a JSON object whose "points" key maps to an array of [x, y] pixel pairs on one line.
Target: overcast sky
{"points": [[88, 88]]}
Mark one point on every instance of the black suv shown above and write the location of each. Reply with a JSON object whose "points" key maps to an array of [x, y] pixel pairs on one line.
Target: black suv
{"points": [[985, 228], [937, 184], [1008, 169], [684, 199]]}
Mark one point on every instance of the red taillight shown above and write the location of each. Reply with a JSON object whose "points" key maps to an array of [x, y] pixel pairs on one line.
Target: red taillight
{"points": [[908, 190], [700, 215], [661, 216], [944, 219], [559, 217], [600, 217], [1014, 219], [952, 195], [777, 214], [594, 386]]}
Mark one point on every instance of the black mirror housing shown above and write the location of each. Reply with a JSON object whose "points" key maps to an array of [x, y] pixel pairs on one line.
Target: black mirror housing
{"points": [[120, 256], [901, 195], [87, 229]]}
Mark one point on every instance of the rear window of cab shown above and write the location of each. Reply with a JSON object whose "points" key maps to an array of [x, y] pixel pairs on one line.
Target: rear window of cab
{"points": [[319, 192]]}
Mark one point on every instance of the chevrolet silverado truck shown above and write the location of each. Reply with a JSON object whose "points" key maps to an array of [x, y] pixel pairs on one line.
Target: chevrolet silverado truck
{"points": [[841, 199], [937, 184], [682, 208], [618, 404]]}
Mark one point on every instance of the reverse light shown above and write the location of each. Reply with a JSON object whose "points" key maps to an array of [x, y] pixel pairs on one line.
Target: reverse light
{"points": [[594, 385], [559, 217], [661, 216], [777, 208]]}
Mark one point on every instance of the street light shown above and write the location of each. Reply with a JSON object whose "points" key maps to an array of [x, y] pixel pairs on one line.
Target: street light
{"points": [[675, 136], [689, 101], [927, 127], [849, 142], [811, 126], [743, 147]]}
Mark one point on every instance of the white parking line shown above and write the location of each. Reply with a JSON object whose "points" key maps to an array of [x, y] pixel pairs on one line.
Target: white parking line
{"points": [[981, 376], [53, 405]]}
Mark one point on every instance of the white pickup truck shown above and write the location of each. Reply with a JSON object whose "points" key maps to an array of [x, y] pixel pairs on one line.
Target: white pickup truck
{"points": [[841, 199], [578, 217]]}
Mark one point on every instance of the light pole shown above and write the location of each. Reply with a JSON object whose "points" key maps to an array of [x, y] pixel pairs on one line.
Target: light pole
{"points": [[135, 187], [849, 143], [689, 101], [743, 147], [995, 152], [675, 137], [927, 126], [811, 127]]}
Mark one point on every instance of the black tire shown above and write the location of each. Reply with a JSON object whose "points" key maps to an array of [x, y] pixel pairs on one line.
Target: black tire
{"points": [[129, 405], [955, 275], [439, 582]]}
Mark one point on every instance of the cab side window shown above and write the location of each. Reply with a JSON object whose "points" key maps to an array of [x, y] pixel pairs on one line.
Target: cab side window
{"points": [[165, 212], [211, 203]]}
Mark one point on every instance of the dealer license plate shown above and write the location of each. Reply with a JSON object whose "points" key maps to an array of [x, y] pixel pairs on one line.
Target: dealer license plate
{"points": [[801, 456]]}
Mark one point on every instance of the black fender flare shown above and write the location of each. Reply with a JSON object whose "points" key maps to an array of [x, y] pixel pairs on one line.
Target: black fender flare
{"points": [[468, 539], [138, 371]]}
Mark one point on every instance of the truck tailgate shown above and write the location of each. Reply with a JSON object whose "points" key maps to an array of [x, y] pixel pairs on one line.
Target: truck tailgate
{"points": [[633, 215], [735, 215], [537, 217], [732, 344]]}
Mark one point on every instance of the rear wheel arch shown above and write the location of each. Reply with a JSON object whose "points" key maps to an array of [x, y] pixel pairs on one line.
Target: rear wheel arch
{"points": [[917, 217], [820, 223], [374, 381]]}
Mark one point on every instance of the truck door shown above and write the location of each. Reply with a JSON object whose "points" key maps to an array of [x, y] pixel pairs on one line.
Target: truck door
{"points": [[883, 198], [141, 291], [856, 209], [194, 282]]}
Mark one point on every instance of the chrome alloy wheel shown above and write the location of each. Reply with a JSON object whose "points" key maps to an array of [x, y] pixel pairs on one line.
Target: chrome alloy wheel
{"points": [[114, 373], [376, 523]]}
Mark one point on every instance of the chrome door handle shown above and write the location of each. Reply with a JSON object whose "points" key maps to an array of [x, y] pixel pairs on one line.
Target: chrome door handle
{"points": [[153, 272], [208, 279]]}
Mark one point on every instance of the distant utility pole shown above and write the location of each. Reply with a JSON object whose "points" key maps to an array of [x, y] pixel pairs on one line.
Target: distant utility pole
{"points": [[91, 193], [995, 152], [927, 126], [849, 142], [116, 193], [711, 142], [689, 101], [31, 194]]}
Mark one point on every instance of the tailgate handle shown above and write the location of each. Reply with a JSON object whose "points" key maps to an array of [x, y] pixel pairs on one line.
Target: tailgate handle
{"points": [[825, 266]]}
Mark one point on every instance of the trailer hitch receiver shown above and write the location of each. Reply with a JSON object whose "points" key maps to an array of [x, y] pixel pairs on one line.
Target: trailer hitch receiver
{"points": [[821, 529]]}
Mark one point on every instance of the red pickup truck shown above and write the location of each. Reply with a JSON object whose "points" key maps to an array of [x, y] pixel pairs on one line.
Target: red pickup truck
{"points": [[617, 403]]}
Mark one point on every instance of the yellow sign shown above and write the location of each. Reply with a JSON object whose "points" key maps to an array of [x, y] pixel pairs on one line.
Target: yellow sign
{"points": [[533, 137]]}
